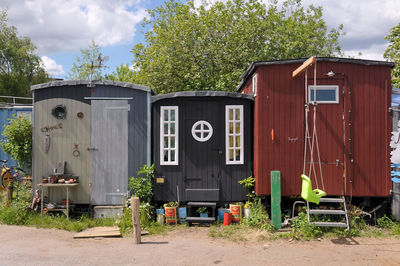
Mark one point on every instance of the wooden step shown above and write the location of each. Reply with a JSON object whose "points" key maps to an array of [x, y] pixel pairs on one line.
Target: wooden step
{"points": [[200, 219], [331, 200], [328, 212], [329, 224], [205, 204]]}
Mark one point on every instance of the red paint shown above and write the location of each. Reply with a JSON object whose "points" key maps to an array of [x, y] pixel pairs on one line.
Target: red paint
{"points": [[279, 105]]}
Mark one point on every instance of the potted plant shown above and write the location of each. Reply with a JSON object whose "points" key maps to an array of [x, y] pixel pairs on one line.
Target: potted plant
{"points": [[202, 211], [246, 208]]}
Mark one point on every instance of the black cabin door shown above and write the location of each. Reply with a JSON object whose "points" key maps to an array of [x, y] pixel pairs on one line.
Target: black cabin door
{"points": [[204, 142]]}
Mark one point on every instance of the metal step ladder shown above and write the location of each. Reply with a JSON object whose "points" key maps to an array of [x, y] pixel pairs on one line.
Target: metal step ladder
{"points": [[341, 211]]}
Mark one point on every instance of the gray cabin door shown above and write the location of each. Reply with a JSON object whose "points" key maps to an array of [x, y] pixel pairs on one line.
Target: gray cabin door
{"points": [[109, 145]]}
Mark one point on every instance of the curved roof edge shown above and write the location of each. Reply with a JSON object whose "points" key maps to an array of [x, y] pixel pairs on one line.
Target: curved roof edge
{"points": [[201, 94], [59, 83], [254, 65]]}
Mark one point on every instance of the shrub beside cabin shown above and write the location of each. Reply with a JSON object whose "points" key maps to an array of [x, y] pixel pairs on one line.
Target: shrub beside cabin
{"points": [[353, 124], [100, 129], [201, 145]]}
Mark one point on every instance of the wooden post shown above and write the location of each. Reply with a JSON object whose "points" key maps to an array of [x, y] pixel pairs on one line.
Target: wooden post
{"points": [[10, 189], [137, 234]]}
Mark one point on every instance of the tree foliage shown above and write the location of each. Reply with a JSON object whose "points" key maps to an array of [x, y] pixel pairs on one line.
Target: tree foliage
{"points": [[89, 61], [17, 141], [207, 47], [393, 53], [20, 67]]}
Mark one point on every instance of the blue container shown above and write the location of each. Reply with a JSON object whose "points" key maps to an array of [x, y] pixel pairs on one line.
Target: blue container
{"points": [[182, 214], [203, 214], [221, 214], [160, 211]]}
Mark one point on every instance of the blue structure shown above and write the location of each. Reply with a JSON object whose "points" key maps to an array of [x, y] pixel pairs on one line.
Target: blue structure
{"points": [[6, 113]]}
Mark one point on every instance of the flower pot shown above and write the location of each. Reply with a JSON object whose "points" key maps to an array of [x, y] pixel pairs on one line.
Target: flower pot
{"points": [[170, 215], [246, 212], [203, 214]]}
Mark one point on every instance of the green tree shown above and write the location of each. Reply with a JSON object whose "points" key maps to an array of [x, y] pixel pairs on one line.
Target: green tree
{"points": [[122, 73], [20, 67], [90, 61], [207, 47], [17, 141], [393, 53]]}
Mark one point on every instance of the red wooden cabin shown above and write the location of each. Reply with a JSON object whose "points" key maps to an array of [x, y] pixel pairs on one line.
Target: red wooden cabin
{"points": [[353, 124]]}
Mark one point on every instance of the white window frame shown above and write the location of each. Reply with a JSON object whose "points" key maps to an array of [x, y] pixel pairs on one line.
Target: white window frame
{"points": [[254, 85], [227, 134], [202, 131], [324, 87], [169, 135]]}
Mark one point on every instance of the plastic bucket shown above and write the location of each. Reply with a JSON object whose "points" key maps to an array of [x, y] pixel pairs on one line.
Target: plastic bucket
{"points": [[227, 218], [182, 214], [170, 215], [160, 218], [236, 211], [160, 211], [221, 214]]}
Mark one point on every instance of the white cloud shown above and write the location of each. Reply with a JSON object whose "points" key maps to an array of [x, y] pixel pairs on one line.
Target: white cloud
{"points": [[51, 67], [60, 25]]}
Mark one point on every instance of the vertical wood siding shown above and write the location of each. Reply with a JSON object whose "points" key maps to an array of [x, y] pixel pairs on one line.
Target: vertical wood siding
{"points": [[279, 105], [198, 169]]}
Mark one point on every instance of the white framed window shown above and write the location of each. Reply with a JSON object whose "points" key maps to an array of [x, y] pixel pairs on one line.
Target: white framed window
{"points": [[169, 135], [234, 134], [324, 93], [202, 131], [255, 84]]}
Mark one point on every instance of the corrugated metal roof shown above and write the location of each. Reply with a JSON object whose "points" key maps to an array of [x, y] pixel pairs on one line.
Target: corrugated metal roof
{"points": [[201, 94], [254, 65], [59, 83]]}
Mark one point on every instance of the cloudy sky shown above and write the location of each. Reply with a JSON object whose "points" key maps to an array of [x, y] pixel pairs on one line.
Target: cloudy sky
{"points": [[61, 28]]}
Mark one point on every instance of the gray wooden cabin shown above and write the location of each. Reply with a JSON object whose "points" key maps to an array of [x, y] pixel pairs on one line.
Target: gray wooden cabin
{"points": [[201, 145], [100, 129]]}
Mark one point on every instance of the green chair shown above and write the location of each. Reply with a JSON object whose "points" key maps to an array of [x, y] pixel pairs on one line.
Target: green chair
{"points": [[308, 193]]}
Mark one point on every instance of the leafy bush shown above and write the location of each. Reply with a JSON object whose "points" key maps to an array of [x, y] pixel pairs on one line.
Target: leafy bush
{"points": [[142, 185], [17, 141], [301, 228], [258, 216], [248, 183], [385, 222]]}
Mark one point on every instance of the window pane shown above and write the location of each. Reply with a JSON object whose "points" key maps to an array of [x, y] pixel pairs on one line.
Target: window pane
{"points": [[166, 159], [231, 114], [172, 115], [237, 155], [172, 156], [166, 129], [230, 128], [165, 142], [172, 142], [237, 129], [165, 115], [198, 134], [237, 114], [231, 141], [237, 144], [172, 128], [198, 127], [324, 95], [231, 155]]}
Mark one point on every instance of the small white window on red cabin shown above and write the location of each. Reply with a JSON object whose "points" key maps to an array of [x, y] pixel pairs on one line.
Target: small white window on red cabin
{"points": [[234, 134], [254, 85], [169, 135], [324, 94]]}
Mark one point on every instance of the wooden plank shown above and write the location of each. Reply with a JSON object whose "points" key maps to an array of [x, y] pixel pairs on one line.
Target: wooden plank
{"points": [[310, 61], [99, 232]]}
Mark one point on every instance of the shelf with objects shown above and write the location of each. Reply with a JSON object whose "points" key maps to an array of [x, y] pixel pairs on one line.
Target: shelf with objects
{"points": [[57, 182]]}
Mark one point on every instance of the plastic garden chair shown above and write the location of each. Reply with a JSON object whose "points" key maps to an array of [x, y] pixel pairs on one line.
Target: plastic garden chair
{"points": [[308, 193]]}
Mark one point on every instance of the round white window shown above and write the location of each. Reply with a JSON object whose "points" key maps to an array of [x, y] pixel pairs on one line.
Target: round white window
{"points": [[202, 131]]}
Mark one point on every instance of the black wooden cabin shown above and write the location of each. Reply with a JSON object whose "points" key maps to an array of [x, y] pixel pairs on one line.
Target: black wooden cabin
{"points": [[202, 145]]}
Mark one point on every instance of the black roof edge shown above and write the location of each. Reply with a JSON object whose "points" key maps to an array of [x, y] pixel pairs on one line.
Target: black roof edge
{"points": [[59, 83], [249, 71], [179, 94]]}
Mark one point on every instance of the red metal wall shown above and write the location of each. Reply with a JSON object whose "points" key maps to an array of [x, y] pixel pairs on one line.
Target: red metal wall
{"points": [[279, 106]]}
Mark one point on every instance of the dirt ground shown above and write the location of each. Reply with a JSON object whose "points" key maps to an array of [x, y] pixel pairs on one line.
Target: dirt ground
{"points": [[188, 246]]}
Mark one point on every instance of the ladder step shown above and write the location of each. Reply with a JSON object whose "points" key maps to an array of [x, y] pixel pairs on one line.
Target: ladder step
{"points": [[331, 200], [329, 224], [329, 212], [206, 204]]}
